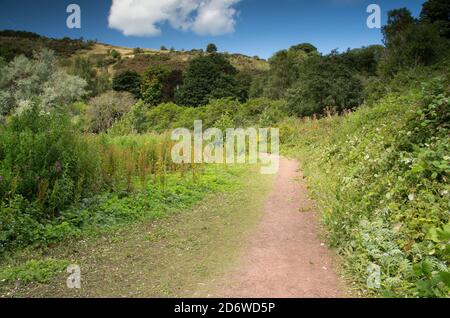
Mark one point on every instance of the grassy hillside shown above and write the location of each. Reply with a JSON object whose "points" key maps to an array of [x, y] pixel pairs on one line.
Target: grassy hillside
{"points": [[14, 43]]}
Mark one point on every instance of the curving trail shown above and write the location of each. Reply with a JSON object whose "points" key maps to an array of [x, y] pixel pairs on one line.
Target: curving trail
{"points": [[285, 256]]}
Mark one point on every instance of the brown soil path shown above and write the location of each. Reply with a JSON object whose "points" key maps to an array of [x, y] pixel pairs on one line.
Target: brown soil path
{"points": [[285, 256]]}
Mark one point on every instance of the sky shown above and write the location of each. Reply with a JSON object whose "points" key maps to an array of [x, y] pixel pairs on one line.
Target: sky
{"points": [[251, 27]]}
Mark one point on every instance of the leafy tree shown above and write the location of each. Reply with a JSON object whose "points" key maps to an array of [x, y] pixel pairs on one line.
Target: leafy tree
{"points": [[364, 60], [284, 69], [152, 84], [398, 21], [128, 81], [324, 82], [211, 48], [170, 85], [410, 43], [210, 76], [437, 12]]}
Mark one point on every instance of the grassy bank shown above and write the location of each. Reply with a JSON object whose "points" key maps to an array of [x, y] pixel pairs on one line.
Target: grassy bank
{"points": [[381, 178]]}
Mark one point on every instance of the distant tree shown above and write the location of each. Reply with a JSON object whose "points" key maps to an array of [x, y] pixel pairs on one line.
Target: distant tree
{"points": [[163, 48], [308, 48], [211, 48], [137, 51], [115, 54], [128, 81], [209, 76], [437, 12]]}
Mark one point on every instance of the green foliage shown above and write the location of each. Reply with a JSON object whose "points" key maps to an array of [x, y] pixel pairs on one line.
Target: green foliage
{"points": [[211, 48], [84, 68], [40, 161], [23, 79], [437, 12], [284, 70], [127, 81], [115, 54], [152, 84], [33, 271], [324, 83], [411, 42], [381, 177], [207, 77]]}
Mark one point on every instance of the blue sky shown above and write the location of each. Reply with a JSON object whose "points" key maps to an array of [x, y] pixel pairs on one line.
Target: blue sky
{"points": [[252, 27]]}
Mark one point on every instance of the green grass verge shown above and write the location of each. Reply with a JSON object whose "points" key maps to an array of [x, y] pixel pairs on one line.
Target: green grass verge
{"points": [[381, 178]]}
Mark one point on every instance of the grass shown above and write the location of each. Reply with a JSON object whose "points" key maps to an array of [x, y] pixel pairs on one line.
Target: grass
{"points": [[176, 254]]}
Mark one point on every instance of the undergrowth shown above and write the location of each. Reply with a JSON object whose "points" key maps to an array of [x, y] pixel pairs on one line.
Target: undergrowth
{"points": [[381, 178]]}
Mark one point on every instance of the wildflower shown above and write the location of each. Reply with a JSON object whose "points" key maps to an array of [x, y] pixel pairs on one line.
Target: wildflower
{"points": [[411, 197]]}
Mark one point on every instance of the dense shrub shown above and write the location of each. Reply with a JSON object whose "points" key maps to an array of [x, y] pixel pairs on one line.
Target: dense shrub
{"points": [[104, 110], [41, 160], [127, 81], [98, 82], [23, 79], [381, 177]]}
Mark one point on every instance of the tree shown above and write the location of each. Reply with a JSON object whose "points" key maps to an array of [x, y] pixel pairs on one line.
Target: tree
{"points": [[210, 76], [211, 48], [115, 54], [411, 43], [284, 69], [152, 84], [398, 21], [324, 82], [128, 81], [437, 12]]}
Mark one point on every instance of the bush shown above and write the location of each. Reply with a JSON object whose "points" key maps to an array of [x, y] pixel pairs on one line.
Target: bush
{"points": [[128, 81], [104, 110], [98, 83], [24, 79], [40, 160]]}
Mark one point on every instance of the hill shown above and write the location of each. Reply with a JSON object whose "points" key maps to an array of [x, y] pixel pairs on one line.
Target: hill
{"points": [[14, 43]]}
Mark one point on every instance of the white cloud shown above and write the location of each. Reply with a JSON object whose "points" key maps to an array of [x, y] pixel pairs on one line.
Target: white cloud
{"points": [[144, 17]]}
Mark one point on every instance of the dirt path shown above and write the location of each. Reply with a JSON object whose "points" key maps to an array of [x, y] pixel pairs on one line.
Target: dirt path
{"points": [[285, 256]]}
